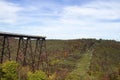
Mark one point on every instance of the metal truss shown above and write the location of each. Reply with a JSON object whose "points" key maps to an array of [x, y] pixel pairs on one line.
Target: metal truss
{"points": [[30, 50]]}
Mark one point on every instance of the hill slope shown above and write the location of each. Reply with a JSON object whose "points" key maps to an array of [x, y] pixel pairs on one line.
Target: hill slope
{"points": [[84, 59], [80, 59]]}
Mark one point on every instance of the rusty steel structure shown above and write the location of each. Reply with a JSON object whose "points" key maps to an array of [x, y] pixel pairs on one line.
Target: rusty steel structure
{"points": [[28, 50]]}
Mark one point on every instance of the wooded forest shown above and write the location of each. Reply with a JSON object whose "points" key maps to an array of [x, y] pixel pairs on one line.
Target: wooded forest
{"points": [[79, 59]]}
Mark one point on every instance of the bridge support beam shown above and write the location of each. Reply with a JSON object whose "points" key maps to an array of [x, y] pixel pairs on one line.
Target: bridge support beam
{"points": [[5, 49]]}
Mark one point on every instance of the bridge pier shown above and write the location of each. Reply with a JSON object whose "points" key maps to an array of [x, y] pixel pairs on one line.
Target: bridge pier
{"points": [[5, 49]]}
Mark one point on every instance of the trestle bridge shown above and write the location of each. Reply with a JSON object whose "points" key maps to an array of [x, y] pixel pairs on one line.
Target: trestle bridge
{"points": [[28, 50]]}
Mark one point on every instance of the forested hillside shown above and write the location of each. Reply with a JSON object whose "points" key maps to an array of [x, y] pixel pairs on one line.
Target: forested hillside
{"points": [[84, 59], [80, 59]]}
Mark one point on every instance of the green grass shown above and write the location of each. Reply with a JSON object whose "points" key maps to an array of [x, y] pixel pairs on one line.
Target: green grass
{"points": [[82, 67]]}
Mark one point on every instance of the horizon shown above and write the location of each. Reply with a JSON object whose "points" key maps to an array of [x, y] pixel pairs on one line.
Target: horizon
{"points": [[62, 19], [58, 38]]}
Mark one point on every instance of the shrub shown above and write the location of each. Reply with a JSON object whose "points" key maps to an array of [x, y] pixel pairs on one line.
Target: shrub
{"points": [[9, 69], [38, 75], [52, 77]]}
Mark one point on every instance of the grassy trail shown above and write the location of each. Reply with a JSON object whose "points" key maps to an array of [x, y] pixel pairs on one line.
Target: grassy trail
{"points": [[82, 67]]}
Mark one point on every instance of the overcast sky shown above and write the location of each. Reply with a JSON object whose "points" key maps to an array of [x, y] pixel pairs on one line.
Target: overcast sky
{"points": [[62, 19]]}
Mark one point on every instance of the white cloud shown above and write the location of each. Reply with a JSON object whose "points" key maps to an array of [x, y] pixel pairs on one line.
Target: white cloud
{"points": [[92, 12], [9, 12], [66, 22]]}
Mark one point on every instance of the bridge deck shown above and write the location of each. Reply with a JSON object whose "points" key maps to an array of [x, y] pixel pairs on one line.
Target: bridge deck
{"points": [[20, 35]]}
